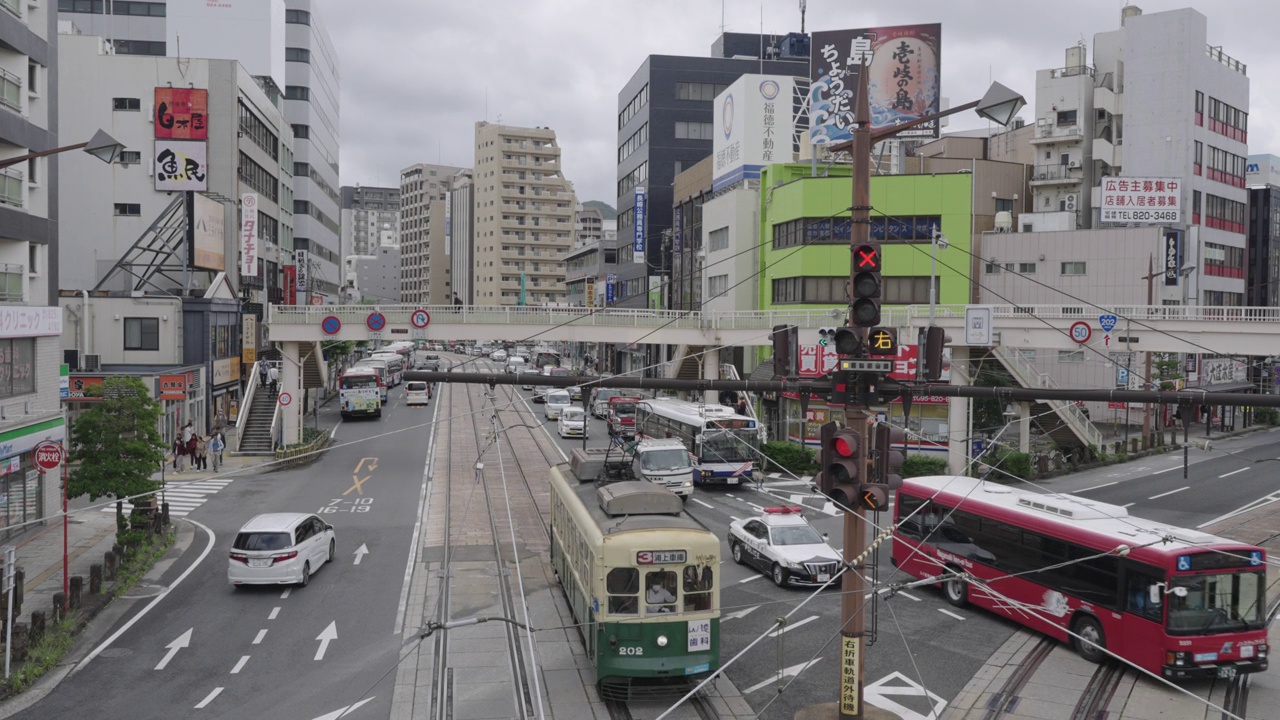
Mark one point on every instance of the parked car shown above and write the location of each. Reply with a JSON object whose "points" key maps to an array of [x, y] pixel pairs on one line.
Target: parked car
{"points": [[572, 422], [417, 392], [280, 549]]}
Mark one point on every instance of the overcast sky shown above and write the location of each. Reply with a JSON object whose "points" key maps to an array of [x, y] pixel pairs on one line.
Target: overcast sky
{"points": [[417, 75]]}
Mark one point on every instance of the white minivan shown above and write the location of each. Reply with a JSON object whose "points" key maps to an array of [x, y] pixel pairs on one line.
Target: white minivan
{"points": [[280, 549], [557, 400]]}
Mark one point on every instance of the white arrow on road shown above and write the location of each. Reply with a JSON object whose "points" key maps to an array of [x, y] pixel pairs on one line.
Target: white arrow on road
{"points": [[786, 673], [739, 613], [182, 641], [361, 552], [343, 711], [878, 693], [329, 634]]}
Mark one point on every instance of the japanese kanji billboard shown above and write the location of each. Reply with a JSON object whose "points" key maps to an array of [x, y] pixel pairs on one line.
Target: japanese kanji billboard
{"points": [[904, 82], [1141, 201], [752, 124], [181, 114]]}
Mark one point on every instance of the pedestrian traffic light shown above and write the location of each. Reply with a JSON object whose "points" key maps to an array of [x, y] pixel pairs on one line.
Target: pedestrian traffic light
{"points": [[866, 286], [889, 459], [882, 341], [786, 348], [933, 339], [842, 463]]}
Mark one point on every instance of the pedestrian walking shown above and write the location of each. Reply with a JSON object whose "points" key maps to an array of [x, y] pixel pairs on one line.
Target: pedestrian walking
{"points": [[216, 445], [202, 453], [177, 454], [262, 372], [273, 378]]}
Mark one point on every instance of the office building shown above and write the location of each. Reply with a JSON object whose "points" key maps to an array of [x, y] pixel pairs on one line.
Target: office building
{"points": [[375, 277], [665, 127], [424, 190], [370, 219], [524, 217], [462, 211], [285, 46]]}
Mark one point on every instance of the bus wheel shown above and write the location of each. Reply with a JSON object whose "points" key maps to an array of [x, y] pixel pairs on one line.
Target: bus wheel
{"points": [[1090, 642], [956, 590]]}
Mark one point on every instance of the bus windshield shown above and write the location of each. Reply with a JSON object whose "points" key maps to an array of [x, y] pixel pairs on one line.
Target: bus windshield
{"points": [[1221, 602], [352, 382], [728, 446]]}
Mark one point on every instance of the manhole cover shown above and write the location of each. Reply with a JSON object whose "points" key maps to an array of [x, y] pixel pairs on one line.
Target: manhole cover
{"points": [[116, 652]]}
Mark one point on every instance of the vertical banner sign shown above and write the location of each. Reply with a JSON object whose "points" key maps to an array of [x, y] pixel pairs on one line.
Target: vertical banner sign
{"points": [[249, 340], [301, 270], [1172, 256], [448, 222], [589, 287], [655, 292], [637, 245], [290, 284], [64, 381], [849, 661], [181, 113], [248, 235], [904, 81], [612, 279], [677, 232]]}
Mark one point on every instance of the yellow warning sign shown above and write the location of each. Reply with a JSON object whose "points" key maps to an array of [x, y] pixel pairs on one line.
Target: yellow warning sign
{"points": [[850, 660]]}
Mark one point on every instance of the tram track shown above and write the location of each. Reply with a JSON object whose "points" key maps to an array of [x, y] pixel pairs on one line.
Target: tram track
{"points": [[1006, 699], [1097, 695]]}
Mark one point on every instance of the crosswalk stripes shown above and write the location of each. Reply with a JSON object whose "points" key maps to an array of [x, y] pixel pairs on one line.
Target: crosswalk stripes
{"points": [[184, 497]]}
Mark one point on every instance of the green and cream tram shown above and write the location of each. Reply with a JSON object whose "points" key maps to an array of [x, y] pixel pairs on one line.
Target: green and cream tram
{"points": [[642, 579]]}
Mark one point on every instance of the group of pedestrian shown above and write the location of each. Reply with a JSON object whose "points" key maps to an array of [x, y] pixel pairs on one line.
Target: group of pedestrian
{"points": [[191, 448]]}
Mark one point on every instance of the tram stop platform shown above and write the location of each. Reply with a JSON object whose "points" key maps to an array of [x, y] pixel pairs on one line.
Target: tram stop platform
{"points": [[1055, 688]]}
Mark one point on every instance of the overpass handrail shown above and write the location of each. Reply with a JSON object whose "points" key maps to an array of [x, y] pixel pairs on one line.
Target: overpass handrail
{"points": [[246, 403], [1069, 412]]}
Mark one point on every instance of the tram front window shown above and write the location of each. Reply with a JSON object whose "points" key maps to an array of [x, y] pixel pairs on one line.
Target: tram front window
{"points": [[623, 585], [697, 588], [660, 592]]}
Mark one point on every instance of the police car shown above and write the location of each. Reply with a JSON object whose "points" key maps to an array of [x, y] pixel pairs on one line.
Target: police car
{"points": [[784, 545]]}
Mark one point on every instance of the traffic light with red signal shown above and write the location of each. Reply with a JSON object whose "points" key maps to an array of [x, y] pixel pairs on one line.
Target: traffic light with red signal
{"points": [[843, 461], [865, 293]]}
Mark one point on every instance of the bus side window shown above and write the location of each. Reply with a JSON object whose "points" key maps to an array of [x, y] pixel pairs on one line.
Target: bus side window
{"points": [[623, 584], [1138, 596]]}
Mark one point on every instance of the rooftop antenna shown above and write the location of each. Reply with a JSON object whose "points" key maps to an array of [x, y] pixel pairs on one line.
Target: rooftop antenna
{"points": [[803, 3], [721, 17]]}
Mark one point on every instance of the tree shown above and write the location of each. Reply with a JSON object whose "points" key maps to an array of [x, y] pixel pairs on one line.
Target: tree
{"points": [[116, 444]]}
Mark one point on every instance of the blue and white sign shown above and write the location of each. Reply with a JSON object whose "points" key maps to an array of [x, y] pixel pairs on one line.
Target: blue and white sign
{"points": [[608, 287], [1255, 557], [677, 231], [754, 123], [637, 244], [978, 447], [1107, 322], [1122, 377], [1184, 562]]}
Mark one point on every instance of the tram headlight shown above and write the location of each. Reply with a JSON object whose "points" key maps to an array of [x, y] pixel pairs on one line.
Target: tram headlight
{"points": [[662, 641]]}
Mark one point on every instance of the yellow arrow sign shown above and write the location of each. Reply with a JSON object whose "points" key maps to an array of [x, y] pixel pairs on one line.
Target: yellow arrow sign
{"points": [[373, 463]]}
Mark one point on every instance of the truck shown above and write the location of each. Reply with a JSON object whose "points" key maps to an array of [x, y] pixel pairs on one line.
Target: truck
{"points": [[622, 417], [665, 462]]}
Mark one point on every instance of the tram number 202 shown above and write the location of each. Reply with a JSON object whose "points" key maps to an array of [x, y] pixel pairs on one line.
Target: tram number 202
{"points": [[628, 650]]}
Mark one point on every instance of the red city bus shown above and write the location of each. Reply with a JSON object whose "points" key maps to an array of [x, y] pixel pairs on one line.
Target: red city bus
{"points": [[1191, 607]]}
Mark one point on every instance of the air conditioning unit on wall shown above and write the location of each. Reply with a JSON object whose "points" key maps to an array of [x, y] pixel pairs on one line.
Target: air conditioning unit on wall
{"points": [[92, 362], [1071, 203]]}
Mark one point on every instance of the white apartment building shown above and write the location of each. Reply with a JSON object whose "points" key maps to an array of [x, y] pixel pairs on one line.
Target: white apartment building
{"points": [[423, 193], [282, 43], [524, 216], [370, 219]]}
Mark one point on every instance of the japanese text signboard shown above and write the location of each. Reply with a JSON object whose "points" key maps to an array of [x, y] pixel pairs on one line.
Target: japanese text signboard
{"points": [[181, 113], [752, 125], [1172, 256], [904, 82], [249, 235], [181, 165], [1141, 201]]}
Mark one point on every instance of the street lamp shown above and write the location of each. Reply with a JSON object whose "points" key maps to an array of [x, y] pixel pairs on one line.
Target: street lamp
{"points": [[999, 105], [101, 145]]}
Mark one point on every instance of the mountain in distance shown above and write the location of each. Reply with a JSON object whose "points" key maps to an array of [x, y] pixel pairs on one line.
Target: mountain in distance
{"points": [[606, 210]]}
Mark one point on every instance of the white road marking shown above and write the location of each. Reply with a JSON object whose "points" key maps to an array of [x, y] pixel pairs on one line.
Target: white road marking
{"points": [[344, 711], [423, 507], [908, 595], [182, 641], [704, 504], [258, 639], [1233, 472], [786, 672], [1099, 487], [759, 508], [948, 612], [793, 626], [1166, 494], [730, 495], [749, 579], [1260, 502], [286, 592], [209, 698], [274, 612], [734, 517], [1128, 504], [326, 636], [114, 636], [1175, 467], [739, 613], [240, 665]]}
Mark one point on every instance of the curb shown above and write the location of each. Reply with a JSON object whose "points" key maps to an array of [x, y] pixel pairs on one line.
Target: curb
{"points": [[99, 625]]}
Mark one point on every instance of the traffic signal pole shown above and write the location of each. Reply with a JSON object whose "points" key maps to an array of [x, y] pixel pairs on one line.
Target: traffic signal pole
{"points": [[854, 587]]}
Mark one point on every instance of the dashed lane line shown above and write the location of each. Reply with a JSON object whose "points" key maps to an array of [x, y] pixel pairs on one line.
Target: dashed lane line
{"points": [[240, 665], [261, 634], [1167, 494], [948, 612], [209, 698]]}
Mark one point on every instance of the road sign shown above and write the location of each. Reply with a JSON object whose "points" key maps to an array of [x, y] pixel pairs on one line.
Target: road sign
{"points": [[1106, 322], [48, 455], [1122, 377], [1081, 332], [285, 399], [376, 321], [420, 319], [979, 322], [978, 447], [331, 325]]}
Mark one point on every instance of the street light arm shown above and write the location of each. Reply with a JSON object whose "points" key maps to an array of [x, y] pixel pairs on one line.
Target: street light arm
{"points": [[43, 153]]}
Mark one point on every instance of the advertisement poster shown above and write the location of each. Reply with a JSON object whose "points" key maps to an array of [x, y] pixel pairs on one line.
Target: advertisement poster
{"points": [[181, 165], [248, 235], [290, 284], [207, 231], [181, 113], [904, 83], [638, 241], [1140, 201]]}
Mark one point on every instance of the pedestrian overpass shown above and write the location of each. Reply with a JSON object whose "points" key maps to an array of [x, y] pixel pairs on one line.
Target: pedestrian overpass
{"points": [[1173, 329]]}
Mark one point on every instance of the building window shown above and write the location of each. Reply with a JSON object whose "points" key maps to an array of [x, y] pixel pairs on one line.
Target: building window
{"points": [[139, 47], [141, 333], [717, 285], [1071, 356], [1027, 268], [297, 17], [639, 100], [698, 91], [297, 92], [126, 103], [1066, 118], [719, 239], [693, 131], [300, 55], [633, 143], [835, 231], [258, 178], [908, 290], [258, 131], [1004, 205], [17, 367], [128, 209], [302, 132], [130, 157], [1075, 267]]}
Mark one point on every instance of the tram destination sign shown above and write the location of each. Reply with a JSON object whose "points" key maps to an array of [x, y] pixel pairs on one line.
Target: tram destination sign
{"points": [[661, 557]]}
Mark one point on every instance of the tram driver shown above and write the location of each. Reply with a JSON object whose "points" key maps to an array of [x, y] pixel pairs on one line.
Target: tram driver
{"points": [[661, 596]]}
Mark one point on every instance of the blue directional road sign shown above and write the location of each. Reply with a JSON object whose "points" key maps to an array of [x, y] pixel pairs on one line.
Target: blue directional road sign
{"points": [[1107, 322], [1122, 377]]}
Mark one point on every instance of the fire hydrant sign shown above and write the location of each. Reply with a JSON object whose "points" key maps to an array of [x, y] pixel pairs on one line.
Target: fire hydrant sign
{"points": [[48, 455]]}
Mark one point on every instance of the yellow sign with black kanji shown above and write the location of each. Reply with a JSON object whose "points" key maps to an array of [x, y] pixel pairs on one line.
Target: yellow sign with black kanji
{"points": [[882, 341]]}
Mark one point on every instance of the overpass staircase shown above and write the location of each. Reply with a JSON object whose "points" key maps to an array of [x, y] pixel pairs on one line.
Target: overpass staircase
{"points": [[1063, 421]]}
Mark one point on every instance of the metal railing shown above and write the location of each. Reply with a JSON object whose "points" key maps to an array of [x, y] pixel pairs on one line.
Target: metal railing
{"points": [[1055, 172], [11, 187], [246, 404], [1073, 71], [1059, 132], [1026, 373], [11, 282], [10, 88], [1216, 53]]}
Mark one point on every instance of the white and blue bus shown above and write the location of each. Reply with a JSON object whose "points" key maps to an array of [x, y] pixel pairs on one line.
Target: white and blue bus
{"points": [[725, 446]]}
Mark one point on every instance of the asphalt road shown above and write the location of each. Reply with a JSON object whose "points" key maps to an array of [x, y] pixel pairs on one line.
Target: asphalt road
{"points": [[255, 652]]}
